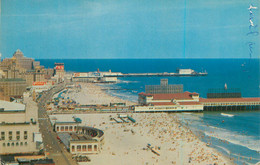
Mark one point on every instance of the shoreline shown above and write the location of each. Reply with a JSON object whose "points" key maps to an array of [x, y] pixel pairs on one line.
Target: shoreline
{"points": [[200, 154], [91, 94]]}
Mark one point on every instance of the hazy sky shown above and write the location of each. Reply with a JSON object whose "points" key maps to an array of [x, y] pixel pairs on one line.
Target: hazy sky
{"points": [[127, 28]]}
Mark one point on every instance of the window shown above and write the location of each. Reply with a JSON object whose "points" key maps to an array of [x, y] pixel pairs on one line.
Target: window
{"points": [[73, 148], [95, 147], [21, 144], [17, 143], [89, 147], [8, 144], [58, 129], [12, 144], [78, 147], [3, 135], [17, 135], [75, 128], [10, 135], [25, 143], [62, 128], [25, 135], [84, 148], [66, 128], [71, 128], [3, 144]]}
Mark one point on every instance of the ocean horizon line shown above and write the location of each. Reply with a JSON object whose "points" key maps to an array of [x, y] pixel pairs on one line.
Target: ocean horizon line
{"points": [[147, 58]]}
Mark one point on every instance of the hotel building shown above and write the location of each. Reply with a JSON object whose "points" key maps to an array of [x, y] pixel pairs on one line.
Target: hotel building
{"points": [[19, 129]]}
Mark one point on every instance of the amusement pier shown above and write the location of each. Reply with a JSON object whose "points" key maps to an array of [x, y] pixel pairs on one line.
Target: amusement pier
{"points": [[111, 77]]}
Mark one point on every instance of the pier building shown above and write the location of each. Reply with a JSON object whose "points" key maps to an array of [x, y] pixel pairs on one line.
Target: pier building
{"points": [[168, 102], [224, 104], [159, 99]]}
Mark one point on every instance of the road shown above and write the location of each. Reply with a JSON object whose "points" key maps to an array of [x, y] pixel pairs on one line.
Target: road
{"points": [[56, 150]]}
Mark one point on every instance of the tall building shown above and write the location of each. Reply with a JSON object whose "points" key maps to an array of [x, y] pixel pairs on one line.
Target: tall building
{"points": [[19, 131], [23, 62], [59, 71]]}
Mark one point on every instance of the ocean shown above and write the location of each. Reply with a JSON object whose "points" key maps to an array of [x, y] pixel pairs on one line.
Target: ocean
{"points": [[237, 137]]}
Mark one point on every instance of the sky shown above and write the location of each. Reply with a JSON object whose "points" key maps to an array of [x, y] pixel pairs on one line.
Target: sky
{"points": [[140, 29]]}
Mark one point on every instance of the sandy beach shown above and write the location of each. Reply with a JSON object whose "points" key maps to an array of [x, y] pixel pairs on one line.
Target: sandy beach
{"points": [[91, 94], [126, 143]]}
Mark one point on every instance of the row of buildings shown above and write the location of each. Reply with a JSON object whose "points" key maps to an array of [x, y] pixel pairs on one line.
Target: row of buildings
{"points": [[20, 72], [21, 80]]}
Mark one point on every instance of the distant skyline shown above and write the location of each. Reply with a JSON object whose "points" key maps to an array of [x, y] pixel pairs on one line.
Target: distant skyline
{"points": [[139, 29]]}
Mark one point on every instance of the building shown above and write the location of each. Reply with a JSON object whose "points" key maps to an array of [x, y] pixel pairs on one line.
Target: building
{"points": [[78, 139], [168, 102], [163, 88], [25, 160], [40, 86], [223, 104], [96, 77], [165, 97], [13, 87], [23, 62], [19, 128], [59, 71], [68, 126]]}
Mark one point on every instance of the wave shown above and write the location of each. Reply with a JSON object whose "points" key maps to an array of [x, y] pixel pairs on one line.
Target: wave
{"points": [[250, 142], [233, 137], [126, 82], [224, 149], [124, 95]]}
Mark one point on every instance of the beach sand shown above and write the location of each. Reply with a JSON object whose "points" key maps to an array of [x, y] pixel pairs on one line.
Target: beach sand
{"points": [[126, 143], [91, 94]]}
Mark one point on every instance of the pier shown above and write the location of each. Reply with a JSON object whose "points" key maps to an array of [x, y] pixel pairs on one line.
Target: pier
{"points": [[109, 76], [230, 104], [153, 74]]}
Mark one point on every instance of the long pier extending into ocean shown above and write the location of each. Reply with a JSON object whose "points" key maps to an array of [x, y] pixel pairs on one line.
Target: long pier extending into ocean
{"points": [[109, 76], [153, 74]]}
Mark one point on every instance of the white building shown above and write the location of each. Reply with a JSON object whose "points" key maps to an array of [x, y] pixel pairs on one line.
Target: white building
{"points": [[168, 102], [18, 126]]}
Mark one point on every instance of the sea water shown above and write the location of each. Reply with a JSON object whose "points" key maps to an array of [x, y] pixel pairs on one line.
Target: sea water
{"points": [[237, 137]]}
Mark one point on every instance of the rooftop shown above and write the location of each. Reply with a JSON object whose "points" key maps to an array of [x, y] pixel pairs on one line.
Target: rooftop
{"points": [[169, 96], [10, 106]]}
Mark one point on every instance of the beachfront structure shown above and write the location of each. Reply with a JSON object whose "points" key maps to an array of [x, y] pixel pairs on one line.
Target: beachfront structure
{"points": [[67, 126], [88, 140], [97, 76], [164, 87], [79, 139], [168, 102], [19, 129], [223, 104]]}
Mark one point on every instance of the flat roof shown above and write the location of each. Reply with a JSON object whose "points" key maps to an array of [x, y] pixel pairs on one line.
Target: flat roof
{"points": [[10, 106]]}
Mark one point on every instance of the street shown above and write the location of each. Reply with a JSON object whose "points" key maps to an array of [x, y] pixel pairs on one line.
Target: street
{"points": [[52, 146]]}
